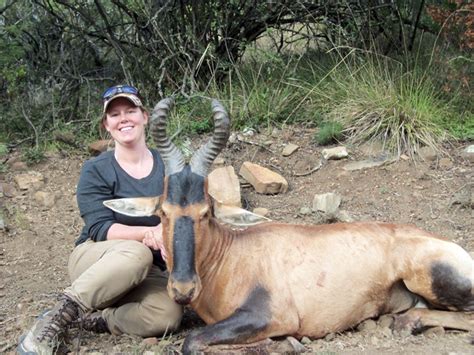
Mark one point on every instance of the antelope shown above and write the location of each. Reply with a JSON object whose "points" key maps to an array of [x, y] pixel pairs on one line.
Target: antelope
{"points": [[276, 279]]}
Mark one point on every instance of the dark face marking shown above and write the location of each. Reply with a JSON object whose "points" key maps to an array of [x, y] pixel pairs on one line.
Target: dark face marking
{"points": [[451, 288], [185, 188], [246, 322], [183, 250]]}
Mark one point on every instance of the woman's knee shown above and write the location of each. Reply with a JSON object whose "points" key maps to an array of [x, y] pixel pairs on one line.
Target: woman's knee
{"points": [[162, 320], [138, 254]]}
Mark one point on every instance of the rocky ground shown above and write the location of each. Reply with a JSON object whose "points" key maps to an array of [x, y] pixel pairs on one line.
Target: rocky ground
{"points": [[41, 222]]}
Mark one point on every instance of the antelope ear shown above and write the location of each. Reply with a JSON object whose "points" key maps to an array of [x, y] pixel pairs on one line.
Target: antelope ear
{"points": [[237, 216], [135, 206]]}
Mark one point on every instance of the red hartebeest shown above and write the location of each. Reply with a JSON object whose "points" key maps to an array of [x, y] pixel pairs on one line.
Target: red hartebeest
{"points": [[278, 279]]}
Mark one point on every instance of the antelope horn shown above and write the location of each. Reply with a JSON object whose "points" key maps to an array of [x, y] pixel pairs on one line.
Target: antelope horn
{"points": [[203, 158], [172, 157]]}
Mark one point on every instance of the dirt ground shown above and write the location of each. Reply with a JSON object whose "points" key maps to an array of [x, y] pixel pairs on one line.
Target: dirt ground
{"points": [[432, 195]]}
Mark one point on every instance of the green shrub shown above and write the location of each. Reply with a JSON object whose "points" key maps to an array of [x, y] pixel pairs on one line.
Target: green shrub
{"points": [[329, 132], [33, 155]]}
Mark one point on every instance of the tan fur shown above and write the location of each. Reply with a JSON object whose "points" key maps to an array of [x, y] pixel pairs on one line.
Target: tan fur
{"points": [[322, 278]]}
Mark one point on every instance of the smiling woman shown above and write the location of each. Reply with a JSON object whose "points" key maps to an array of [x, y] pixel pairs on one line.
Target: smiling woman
{"points": [[118, 282]]}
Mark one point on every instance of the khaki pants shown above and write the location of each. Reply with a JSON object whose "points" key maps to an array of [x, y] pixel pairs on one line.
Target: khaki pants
{"points": [[118, 277]]}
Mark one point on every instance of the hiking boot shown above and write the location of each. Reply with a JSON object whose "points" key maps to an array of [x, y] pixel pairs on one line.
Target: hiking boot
{"points": [[50, 328], [92, 322]]}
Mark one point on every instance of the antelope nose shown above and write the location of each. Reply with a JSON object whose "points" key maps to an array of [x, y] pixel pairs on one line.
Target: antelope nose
{"points": [[183, 298], [182, 292]]}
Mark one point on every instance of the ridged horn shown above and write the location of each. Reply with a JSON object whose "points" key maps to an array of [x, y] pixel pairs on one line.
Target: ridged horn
{"points": [[172, 157], [203, 158]]}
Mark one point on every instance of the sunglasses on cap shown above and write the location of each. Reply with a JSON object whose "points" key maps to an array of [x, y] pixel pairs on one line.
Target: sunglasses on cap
{"points": [[119, 89]]}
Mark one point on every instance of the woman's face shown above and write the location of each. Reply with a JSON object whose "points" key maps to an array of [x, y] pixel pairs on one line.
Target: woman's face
{"points": [[125, 122]]}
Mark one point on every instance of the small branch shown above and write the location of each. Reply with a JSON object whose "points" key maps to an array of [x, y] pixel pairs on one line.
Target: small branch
{"points": [[32, 126], [316, 168]]}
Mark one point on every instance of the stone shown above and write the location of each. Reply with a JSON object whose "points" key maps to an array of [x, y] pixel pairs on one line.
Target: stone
{"points": [[151, 341], [344, 216], [275, 132], [367, 326], [468, 153], [445, 163], [8, 190], [365, 164], [218, 162], [435, 332], [428, 153], [46, 199], [289, 149], [18, 166], [261, 211], [305, 211], [29, 181], [464, 196], [328, 202], [264, 181], [306, 341], [385, 321], [97, 147], [65, 137], [469, 149], [224, 187], [335, 153]]}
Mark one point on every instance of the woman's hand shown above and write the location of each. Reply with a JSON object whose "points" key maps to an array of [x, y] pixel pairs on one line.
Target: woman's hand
{"points": [[154, 240]]}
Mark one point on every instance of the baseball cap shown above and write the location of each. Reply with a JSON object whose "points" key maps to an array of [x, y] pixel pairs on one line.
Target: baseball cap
{"points": [[126, 91]]}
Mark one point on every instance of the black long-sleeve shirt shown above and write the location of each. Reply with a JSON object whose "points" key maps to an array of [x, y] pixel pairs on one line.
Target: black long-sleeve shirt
{"points": [[102, 179]]}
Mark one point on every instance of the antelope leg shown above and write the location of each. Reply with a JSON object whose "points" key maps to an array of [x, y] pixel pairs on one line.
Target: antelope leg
{"points": [[247, 324], [418, 318]]}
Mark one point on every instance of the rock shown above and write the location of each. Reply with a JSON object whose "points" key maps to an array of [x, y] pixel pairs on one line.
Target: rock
{"points": [[65, 137], [8, 190], [261, 211], [305, 211], [335, 153], [29, 181], [365, 164], [46, 199], [344, 216], [18, 166], [97, 147], [468, 153], [445, 164], [428, 153], [219, 162], [289, 149], [464, 196], [224, 186], [297, 347], [151, 341], [385, 321], [248, 132], [275, 132], [306, 340], [233, 138], [264, 181], [435, 332], [330, 337], [328, 203], [367, 326]]}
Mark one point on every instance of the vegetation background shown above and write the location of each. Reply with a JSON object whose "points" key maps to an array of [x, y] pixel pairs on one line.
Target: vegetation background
{"points": [[395, 71]]}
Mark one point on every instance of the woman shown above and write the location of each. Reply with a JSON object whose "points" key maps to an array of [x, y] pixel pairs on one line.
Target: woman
{"points": [[116, 266]]}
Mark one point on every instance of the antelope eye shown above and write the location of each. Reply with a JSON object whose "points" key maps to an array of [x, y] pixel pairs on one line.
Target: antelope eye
{"points": [[164, 212]]}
